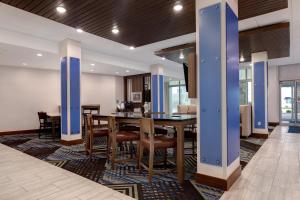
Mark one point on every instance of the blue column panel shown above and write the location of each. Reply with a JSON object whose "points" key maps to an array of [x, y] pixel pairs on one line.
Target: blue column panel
{"points": [[154, 91], [75, 95], [210, 85], [232, 83], [161, 93], [259, 95], [64, 96]]}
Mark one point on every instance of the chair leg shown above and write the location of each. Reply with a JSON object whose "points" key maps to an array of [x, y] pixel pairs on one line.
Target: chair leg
{"points": [[137, 155], [91, 145], [165, 157], [40, 133], [151, 160], [141, 152], [107, 145], [131, 149], [193, 146], [113, 155]]}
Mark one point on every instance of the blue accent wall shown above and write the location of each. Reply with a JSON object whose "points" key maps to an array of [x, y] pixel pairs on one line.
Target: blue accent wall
{"points": [[210, 85], [259, 95], [232, 83], [154, 91], [64, 96], [75, 95], [161, 93]]}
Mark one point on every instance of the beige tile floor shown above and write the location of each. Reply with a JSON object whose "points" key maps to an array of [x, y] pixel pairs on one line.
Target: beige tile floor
{"points": [[274, 171], [27, 178]]}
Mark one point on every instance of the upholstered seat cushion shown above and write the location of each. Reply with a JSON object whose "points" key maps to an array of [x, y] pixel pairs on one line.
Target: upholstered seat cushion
{"points": [[100, 132], [123, 136], [161, 142]]}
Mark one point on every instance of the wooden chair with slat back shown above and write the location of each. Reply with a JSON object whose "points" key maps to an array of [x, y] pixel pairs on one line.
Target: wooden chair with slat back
{"points": [[45, 124], [92, 133], [150, 141], [117, 136]]}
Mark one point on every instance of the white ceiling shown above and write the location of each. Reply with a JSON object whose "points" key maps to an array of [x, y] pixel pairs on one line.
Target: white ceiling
{"points": [[24, 34]]}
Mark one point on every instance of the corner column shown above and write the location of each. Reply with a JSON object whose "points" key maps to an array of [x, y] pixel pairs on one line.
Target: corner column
{"points": [[70, 53], [157, 88], [260, 94], [218, 158]]}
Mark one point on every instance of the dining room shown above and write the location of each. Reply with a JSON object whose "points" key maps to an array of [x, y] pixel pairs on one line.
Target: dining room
{"points": [[157, 99]]}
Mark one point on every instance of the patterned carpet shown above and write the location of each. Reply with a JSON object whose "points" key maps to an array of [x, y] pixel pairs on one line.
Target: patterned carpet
{"points": [[125, 178]]}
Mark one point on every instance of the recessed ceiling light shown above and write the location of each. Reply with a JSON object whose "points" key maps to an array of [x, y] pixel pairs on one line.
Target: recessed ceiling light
{"points": [[242, 59], [132, 48], [181, 56], [61, 9], [91, 70], [163, 58], [117, 72], [178, 6], [115, 30], [127, 71], [79, 30], [24, 64], [92, 64], [39, 54]]}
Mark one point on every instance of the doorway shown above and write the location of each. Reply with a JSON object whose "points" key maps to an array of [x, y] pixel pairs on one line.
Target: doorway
{"points": [[290, 102]]}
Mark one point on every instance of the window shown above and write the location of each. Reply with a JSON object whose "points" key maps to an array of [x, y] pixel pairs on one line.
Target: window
{"points": [[177, 95], [245, 85]]}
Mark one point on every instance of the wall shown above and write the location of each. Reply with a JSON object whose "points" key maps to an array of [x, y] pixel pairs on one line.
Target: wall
{"points": [[24, 92], [289, 72], [273, 94]]}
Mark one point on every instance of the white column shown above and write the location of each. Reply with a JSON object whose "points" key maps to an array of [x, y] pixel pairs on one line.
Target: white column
{"points": [[70, 55], [157, 88], [218, 87], [260, 93]]}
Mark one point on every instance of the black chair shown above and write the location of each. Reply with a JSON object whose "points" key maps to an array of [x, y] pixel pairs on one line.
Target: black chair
{"points": [[45, 124], [190, 133]]}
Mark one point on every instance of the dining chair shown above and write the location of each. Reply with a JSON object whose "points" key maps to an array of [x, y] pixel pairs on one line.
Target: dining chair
{"points": [[92, 133], [116, 137], [190, 133], [151, 141], [45, 124]]}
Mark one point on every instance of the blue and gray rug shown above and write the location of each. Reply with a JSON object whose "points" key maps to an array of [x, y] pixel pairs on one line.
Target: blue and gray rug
{"points": [[125, 178]]}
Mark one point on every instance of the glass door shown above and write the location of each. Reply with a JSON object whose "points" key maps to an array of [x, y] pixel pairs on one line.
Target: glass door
{"points": [[297, 102], [287, 107]]}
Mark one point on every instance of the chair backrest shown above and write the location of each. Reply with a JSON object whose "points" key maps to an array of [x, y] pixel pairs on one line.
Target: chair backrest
{"points": [[42, 117], [147, 128], [89, 124]]}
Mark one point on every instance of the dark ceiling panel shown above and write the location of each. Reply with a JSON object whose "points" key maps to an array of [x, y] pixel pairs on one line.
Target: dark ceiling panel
{"points": [[275, 39], [140, 22], [252, 8], [173, 53]]}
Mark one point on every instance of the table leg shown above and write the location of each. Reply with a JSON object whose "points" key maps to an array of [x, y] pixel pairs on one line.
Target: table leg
{"points": [[180, 153], [53, 129]]}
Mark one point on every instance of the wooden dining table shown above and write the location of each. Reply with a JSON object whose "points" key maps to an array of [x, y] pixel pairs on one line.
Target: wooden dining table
{"points": [[177, 121]]}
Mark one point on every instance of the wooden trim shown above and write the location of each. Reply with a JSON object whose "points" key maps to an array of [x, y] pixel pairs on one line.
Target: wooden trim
{"points": [[258, 135], [19, 132], [72, 142], [273, 123], [217, 182], [192, 75]]}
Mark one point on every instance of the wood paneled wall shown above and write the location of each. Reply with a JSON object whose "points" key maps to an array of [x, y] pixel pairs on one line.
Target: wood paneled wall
{"points": [[137, 86]]}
